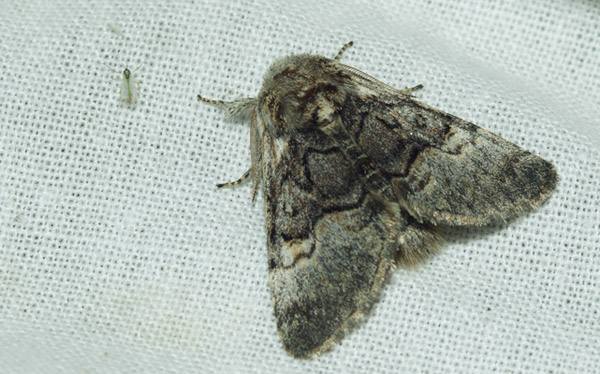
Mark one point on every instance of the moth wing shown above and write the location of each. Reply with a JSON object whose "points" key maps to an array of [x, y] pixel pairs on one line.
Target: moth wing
{"points": [[124, 90], [134, 88], [129, 92], [331, 241], [444, 169]]}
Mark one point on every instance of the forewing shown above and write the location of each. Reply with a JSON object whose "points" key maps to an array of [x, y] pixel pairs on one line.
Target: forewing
{"points": [[330, 240], [129, 91], [444, 169]]}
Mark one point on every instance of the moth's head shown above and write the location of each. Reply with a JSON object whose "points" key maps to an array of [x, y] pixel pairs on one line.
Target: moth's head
{"points": [[297, 90], [126, 73]]}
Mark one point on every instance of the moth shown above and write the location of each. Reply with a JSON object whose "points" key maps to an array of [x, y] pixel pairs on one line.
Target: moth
{"points": [[359, 177], [129, 91]]}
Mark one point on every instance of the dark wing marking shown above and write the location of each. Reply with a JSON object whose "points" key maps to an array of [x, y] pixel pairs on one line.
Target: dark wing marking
{"points": [[331, 241], [444, 169]]}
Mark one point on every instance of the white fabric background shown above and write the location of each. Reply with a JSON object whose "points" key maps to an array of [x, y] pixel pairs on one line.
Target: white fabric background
{"points": [[119, 255]]}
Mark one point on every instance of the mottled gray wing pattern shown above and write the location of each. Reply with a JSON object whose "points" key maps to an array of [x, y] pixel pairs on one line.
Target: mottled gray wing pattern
{"points": [[356, 177], [330, 240], [443, 169]]}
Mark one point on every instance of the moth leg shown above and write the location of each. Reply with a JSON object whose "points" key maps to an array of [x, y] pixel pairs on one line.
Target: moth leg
{"points": [[235, 183], [341, 52], [239, 110], [227, 104], [212, 102], [409, 91]]}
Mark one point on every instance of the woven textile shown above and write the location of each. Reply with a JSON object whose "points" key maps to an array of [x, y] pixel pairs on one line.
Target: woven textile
{"points": [[119, 255]]}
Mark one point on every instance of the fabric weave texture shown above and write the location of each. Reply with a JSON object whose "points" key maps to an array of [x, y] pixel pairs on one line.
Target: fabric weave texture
{"points": [[119, 255]]}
